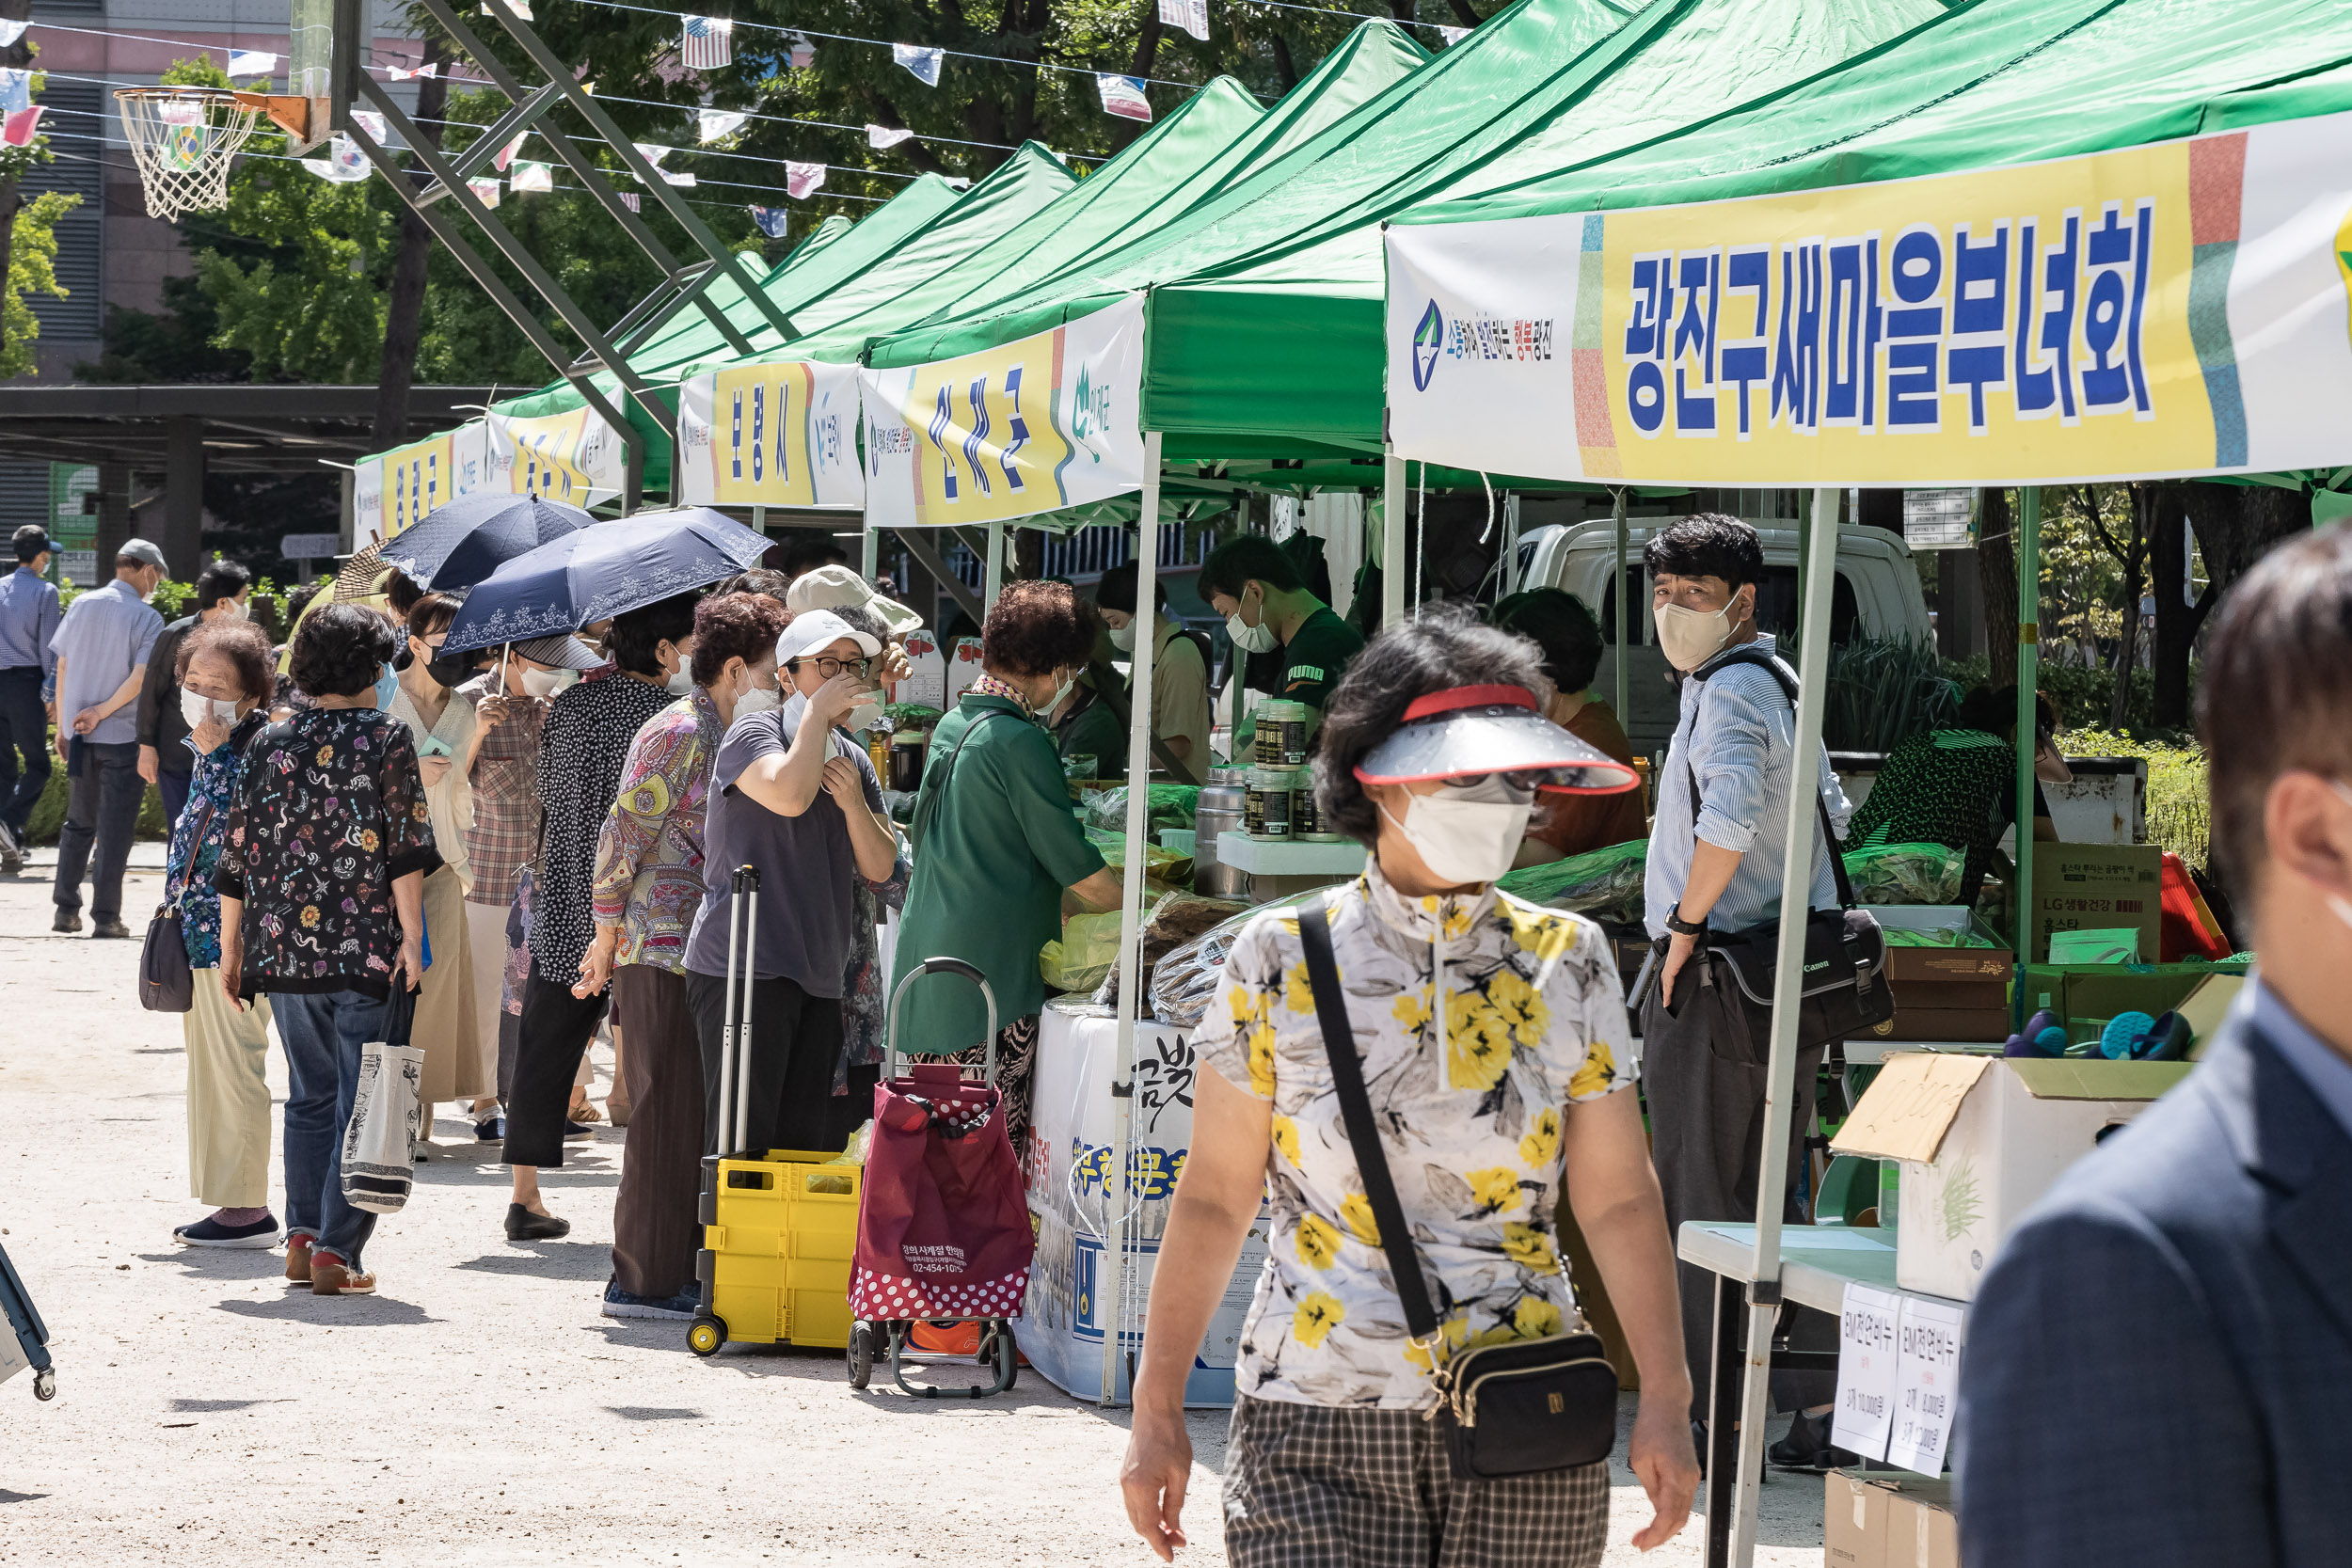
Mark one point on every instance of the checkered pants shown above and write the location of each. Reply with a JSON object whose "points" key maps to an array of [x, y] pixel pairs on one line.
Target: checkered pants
{"points": [[1317, 1486]]}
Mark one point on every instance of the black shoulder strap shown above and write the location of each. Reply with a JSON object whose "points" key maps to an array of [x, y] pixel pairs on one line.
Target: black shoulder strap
{"points": [[1786, 679], [1363, 1134], [923, 817]]}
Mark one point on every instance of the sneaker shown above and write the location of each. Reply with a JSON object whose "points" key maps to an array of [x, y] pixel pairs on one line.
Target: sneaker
{"points": [[67, 923], [11, 852], [332, 1277], [107, 927], [261, 1235], [298, 1257], [491, 1130], [621, 1304]]}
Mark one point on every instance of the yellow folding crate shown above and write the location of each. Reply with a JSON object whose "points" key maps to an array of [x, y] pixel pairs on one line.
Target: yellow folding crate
{"points": [[779, 1236]]}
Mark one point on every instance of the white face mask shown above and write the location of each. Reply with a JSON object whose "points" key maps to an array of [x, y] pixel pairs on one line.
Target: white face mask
{"points": [[1466, 836], [196, 709], [1046, 708], [1248, 639], [232, 610], [546, 683], [681, 680], [756, 699], [1690, 637], [1123, 638]]}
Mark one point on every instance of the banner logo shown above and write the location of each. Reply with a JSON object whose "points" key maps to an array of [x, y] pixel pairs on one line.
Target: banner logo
{"points": [[1428, 341]]}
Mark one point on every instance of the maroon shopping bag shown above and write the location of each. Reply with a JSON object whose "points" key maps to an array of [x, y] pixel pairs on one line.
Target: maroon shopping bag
{"points": [[943, 1230]]}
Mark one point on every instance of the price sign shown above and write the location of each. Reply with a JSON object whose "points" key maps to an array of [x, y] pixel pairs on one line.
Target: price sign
{"points": [[1867, 1330], [1927, 1385]]}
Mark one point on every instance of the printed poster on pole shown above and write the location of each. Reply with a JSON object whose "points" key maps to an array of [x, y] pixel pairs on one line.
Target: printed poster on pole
{"points": [[573, 457], [394, 490], [1027, 427], [782, 433], [2174, 308]]}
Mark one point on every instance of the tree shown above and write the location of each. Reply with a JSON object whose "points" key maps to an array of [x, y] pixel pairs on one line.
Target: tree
{"points": [[1996, 569], [2234, 526]]}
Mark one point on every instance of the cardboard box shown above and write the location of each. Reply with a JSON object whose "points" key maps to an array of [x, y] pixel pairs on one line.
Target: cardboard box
{"points": [[2079, 887], [1880, 1521], [1953, 1025], [1945, 993], [1980, 1139]]}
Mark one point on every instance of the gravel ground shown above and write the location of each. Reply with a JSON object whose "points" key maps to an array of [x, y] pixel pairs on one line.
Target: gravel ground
{"points": [[478, 1410]]}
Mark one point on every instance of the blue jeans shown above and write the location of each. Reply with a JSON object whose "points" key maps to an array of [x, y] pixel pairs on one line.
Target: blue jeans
{"points": [[322, 1035], [23, 727]]}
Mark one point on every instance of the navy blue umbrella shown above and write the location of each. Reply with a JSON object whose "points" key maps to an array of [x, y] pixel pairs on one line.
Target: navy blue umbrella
{"points": [[603, 570], [459, 544]]}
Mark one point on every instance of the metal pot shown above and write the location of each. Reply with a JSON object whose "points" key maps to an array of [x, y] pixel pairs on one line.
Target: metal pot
{"points": [[1219, 811]]}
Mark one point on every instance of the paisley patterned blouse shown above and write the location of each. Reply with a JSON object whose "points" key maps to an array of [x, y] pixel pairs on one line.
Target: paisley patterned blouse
{"points": [[1528, 1016], [330, 812]]}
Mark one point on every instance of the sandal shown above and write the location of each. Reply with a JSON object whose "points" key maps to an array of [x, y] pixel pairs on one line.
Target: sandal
{"points": [[584, 1110]]}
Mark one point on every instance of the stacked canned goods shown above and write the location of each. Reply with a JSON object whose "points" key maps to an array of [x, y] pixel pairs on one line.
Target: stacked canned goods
{"points": [[1281, 735]]}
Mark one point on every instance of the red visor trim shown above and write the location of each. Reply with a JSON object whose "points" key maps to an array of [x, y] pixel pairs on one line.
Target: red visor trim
{"points": [[1469, 696]]}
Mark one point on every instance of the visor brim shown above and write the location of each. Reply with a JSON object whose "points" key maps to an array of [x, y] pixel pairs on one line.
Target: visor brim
{"points": [[1496, 740]]}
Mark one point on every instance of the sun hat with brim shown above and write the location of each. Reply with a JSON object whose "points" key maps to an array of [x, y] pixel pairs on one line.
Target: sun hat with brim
{"points": [[1468, 731], [560, 652], [814, 630], [839, 588]]}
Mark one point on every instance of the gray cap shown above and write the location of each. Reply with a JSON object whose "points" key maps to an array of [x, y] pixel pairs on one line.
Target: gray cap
{"points": [[144, 552], [564, 652]]}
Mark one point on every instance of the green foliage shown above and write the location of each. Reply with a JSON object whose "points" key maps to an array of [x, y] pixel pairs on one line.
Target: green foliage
{"points": [[32, 270], [1882, 693], [2179, 814], [47, 817], [2081, 694]]}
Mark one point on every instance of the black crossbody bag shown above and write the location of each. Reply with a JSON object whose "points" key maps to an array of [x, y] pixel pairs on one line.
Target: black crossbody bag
{"points": [[1843, 993], [1512, 1409]]}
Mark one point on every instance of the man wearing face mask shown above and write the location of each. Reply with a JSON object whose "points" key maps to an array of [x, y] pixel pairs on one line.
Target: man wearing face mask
{"points": [[222, 591], [582, 750], [796, 798], [1715, 866], [993, 833], [648, 887], [103, 646], [501, 767], [1180, 668], [1266, 603]]}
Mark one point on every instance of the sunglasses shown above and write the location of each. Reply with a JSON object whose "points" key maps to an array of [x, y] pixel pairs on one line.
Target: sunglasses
{"points": [[1530, 778]]}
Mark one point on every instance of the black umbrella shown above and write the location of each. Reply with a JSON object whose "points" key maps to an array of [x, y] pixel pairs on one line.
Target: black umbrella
{"points": [[603, 571], [462, 543]]}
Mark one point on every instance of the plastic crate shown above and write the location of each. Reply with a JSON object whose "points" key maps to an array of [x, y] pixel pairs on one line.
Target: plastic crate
{"points": [[777, 1249]]}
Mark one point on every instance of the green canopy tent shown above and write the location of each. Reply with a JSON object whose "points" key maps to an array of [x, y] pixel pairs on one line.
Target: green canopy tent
{"points": [[2000, 86]]}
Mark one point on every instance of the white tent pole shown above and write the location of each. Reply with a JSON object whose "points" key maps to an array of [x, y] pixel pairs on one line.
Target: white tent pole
{"points": [[1625, 634], [1110, 1298], [993, 575], [1795, 895], [870, 554], [1392, 540]]}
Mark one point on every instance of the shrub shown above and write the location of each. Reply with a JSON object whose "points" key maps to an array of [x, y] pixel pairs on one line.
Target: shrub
{"points": [[2178, 810], [1881, 693]]}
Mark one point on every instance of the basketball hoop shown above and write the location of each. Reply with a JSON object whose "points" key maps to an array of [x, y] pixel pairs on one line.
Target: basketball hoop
{"points": [[184, 140]]}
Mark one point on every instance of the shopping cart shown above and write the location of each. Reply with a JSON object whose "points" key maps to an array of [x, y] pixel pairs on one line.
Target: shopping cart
{"points": [[944, 1233], [24, 1338]]}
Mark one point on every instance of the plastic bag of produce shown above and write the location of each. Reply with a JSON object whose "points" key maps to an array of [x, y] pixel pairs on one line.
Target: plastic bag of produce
{"points": [[1185, 981], [1172, 805], [1088, 950], [1160, 863], [1605, 885], [1175, 919], [1904, 873]]}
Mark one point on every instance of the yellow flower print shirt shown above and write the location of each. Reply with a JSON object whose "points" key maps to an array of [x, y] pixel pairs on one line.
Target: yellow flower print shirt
{"points": [[1480, 1020]]}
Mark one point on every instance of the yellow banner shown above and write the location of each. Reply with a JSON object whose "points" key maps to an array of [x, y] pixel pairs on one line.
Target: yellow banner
{"points": [[417, 479], [571, 457]]}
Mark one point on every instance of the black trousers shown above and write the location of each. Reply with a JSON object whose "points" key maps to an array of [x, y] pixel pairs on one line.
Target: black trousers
{"points": [[796, 1040], [101, 810], [556, 1028], [23, 727]]}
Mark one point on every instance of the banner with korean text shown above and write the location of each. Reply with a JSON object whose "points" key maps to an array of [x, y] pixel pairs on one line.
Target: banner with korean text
{"points": [[392, 490], [575, 457], [1027, 427], [2174, 308], [780, 432]]}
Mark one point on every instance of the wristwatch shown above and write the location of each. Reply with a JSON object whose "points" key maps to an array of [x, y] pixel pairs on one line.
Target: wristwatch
{"points": [[1681, 926]]}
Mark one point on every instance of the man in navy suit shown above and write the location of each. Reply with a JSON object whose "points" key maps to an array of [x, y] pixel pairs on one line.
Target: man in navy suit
{"points": [[2158, 1367]]}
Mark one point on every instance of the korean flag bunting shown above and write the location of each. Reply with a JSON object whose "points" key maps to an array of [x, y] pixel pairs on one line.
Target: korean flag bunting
{"points": [[709, 43], [801, 181], [1191, 15], [882, 136], [711, 124], [772, 220], [1123, 96], [344, 165], [530, 177], [372, 124], [652, 151], [252, 62], [922, 62]]}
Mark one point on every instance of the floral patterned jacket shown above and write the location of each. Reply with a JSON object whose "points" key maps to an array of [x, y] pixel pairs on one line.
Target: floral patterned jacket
{"points": [[1479, 1021], [198, 836], [330, 814]]}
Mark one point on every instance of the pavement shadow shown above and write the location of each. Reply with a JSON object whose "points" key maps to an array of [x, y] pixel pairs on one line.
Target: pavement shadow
{"points": [[9, 1497], [216, 1407], [551, 1260], [220, 1262], [333, 1312], [653, 1413]]}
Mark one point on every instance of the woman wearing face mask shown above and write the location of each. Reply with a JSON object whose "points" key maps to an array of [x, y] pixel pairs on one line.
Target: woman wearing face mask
{"points": [[582, 750], [798, 799], [501, 767], [223, 590], [223, 674], [648, 885], [440, 721], [1179, 669], [993, 832], [1493, 1041]]}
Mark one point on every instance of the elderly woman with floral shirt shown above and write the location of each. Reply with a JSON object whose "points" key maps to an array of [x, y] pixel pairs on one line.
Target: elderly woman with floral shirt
{"points": [[1493, 1046], [222, 678], [647, 884]]}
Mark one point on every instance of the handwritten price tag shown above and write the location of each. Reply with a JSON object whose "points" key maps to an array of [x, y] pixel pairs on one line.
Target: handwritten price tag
{"points": [[1927, 1385], [1866, 1329]]}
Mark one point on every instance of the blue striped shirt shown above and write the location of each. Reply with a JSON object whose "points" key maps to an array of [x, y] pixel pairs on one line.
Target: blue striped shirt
{"points": [[28, 619], [106, 633]]}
